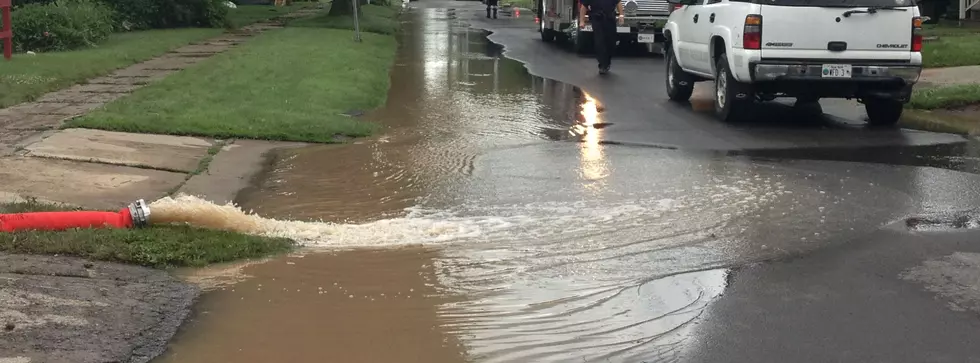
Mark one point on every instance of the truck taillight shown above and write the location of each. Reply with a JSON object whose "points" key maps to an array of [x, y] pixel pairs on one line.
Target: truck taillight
{"points": [[752, 33], [916, 34]]}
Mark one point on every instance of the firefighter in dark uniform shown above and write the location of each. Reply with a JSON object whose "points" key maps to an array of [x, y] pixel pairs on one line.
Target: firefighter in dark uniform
{"points": [[492, 5], [604, 15]]}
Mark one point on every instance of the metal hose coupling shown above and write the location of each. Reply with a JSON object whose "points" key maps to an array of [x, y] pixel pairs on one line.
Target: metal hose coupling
{"points": [[140, 213]]}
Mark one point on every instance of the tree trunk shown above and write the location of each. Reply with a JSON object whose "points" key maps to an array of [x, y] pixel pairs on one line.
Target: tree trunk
{"points": [[341, 7]]}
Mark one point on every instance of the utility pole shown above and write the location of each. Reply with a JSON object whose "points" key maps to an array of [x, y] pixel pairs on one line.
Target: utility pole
{"points": [[357, 26]]}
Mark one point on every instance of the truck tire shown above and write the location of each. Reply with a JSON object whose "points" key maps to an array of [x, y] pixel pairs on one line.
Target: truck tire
{"points": [[583, 42], [808, 107], [680, 84], [728, 107], [547, 35], [883, 112]]}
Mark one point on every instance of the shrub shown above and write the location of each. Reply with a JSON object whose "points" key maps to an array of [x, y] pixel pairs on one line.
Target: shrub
{"points": [[62, 25], [134, 14], [18, 3], [145, 14]]}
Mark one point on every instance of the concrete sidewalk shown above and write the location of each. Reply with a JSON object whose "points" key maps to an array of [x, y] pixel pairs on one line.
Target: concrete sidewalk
{"points": [[52, 307], [100, 169], [938, 77]]}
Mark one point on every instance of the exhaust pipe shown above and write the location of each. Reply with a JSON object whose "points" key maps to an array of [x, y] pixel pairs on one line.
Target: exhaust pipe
{"points": [[135, 215]]}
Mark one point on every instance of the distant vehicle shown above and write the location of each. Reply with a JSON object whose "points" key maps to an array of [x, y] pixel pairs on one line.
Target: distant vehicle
{"points": [[643, 22], [758, 50]]}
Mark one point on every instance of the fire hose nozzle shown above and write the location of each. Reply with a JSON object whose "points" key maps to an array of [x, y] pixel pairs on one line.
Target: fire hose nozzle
{"points": [[140, 213]]}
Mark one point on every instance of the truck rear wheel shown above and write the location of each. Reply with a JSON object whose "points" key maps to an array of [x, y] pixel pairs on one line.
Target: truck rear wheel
{"points": [[680, 85], [883, 112], [547, 35], [733, 100], [583, 42]]}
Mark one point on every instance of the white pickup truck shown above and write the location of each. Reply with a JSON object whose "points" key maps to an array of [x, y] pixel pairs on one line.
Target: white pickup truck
{"points": [[758, 50]]}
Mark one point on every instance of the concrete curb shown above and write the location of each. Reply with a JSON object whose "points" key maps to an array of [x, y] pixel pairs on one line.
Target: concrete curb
{"points": [[940, 122]]}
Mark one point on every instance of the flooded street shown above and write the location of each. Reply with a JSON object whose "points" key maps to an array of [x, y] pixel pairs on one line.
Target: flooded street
{"points": [[494, 220]]}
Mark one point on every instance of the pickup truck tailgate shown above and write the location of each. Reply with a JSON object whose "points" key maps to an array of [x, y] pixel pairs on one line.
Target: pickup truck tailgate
{"points": [[836, 32]]}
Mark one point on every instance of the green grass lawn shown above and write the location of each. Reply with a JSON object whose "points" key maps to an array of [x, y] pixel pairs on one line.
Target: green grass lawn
{"points": [[526, 4], [250, 14], [930, 109], [949, 29], [952, 51], [155, 246], [945, 97], [290, 84], [27, 77], [374, 18]]}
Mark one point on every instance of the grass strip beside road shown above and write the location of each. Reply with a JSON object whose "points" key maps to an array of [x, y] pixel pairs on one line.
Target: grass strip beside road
{"points": [[155, 246], [945, 97], [291, 84], [951, 109], [952, 51], [27, 77]]}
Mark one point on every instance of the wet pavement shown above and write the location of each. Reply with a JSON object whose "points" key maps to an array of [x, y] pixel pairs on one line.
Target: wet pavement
{"points": [[508, 217]]}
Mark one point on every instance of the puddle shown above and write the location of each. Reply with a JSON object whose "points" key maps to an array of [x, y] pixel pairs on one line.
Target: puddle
{"points": [[946, 221], [952, 278], [354, 306], [964, 156], [453, 96], [649, 321]]}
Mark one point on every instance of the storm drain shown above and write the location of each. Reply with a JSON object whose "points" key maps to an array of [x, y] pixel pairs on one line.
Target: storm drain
{"points": [[945, 221]]}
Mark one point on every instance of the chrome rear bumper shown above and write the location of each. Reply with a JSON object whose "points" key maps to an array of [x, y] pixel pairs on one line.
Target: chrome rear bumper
{"points": [[909, 74]]}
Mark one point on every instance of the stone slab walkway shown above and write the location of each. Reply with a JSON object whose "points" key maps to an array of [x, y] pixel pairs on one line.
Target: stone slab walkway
{"points": [[102, 169], [170, 153], [57, 309]]}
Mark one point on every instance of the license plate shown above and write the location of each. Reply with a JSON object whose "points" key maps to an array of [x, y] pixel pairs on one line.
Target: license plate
{"points": [[620, 29], [836, 71], [645, 38]]}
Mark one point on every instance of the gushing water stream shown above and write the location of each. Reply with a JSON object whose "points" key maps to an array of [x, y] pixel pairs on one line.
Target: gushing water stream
{"points": [[197, 212]]}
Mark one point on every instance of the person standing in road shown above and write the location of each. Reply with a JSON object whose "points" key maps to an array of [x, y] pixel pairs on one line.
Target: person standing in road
{"points": [[492, 4], [603, 17]]}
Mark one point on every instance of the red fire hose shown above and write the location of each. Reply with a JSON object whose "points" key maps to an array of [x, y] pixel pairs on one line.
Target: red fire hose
{"points": [[135, 215], [6, 34]]}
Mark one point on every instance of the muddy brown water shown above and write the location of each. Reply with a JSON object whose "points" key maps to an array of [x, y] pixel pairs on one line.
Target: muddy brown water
{"points": [[354, 306], [375, 305], [510, 232]]}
